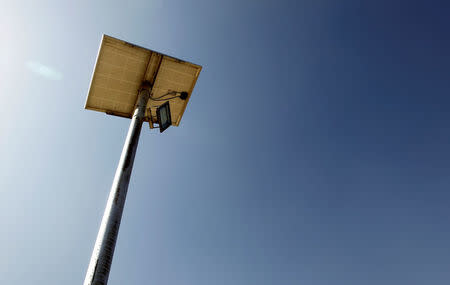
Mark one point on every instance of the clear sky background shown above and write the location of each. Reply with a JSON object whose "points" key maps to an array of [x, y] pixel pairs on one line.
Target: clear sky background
{"points": [[314, 150]]}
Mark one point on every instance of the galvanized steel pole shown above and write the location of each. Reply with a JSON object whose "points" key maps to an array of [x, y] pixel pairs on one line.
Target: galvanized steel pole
{"points": [[100, 264]]}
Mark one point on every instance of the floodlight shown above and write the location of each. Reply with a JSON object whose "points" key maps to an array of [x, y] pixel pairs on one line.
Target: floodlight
{"points": [[164, 119], [145, 86]]}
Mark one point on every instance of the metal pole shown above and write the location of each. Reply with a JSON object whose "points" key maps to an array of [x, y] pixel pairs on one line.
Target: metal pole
{"points": [[100, 264]]}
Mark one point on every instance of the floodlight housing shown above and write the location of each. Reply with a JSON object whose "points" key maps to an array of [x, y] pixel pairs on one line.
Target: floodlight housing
{"points": [[163, 115], [122, 67]]}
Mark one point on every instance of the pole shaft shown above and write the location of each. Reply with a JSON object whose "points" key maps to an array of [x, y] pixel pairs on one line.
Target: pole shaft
{"points": [[102, 255]]}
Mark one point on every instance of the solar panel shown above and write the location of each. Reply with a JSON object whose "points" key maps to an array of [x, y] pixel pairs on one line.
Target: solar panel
{"points": [[121, 68]]}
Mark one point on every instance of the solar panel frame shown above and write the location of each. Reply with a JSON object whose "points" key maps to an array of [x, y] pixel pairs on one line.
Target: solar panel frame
{"points": [[120, 69]]}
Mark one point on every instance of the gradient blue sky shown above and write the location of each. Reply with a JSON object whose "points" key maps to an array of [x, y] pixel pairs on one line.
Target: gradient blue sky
{"points": [[314, 150]]}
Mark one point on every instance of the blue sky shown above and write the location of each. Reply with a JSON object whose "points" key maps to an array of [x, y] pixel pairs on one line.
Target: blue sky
{"points": [[314, 149]]}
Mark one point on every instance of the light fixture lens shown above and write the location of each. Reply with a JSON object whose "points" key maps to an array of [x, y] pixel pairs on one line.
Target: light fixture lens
{"points": [[163, 114]]}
